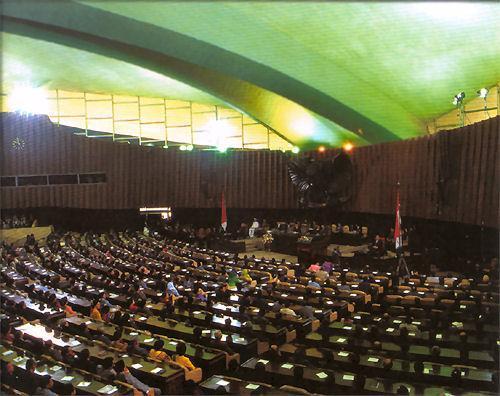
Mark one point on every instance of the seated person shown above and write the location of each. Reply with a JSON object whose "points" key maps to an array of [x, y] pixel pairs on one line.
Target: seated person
{"points": [[314, 283], [201, 295], [106, 370], [223, 293], [9, 375], [83, 361], [158, 353], [45, 387], [217, 343], [287, 311], [124, 375], [181, 359], [95, 312], [68, 311], [245, 276], [134, 348], [232, 279]]}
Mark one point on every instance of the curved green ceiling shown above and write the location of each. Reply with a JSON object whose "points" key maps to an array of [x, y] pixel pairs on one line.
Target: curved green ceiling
{"points": [[310, 70]]}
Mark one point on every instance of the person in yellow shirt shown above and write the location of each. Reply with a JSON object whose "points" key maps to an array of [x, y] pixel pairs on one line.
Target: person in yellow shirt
{"points": [[181, 359], [245, 276], [158, 353], [95, 313]]}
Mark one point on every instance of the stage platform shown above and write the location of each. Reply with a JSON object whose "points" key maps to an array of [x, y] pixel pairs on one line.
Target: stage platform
{"points": [[17, 236]]}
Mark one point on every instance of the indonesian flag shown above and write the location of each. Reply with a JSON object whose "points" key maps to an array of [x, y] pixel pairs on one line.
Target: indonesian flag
{"points": [[398, 240], [223, 217]]}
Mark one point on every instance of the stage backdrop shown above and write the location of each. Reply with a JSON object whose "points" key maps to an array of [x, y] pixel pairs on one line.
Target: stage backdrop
{"points": [[451, 176]]}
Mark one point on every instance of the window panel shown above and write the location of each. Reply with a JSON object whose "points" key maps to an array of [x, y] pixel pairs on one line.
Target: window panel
{"points": [[201, 121], [153, 131], [76, 122], [126, 111], [255, 134], [127, 128], [71, 107], [178, 117], [99, 109], [179, 134], [200, 107], [69, 94], [149, 101], [175, 104], [152, 113], [100, 125]]}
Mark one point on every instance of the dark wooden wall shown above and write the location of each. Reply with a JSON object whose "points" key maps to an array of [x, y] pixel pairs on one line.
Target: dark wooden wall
{"points": [[451, 176]]}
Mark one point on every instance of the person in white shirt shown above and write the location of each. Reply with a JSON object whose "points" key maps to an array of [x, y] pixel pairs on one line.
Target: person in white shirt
{"points": [[252, 229]]}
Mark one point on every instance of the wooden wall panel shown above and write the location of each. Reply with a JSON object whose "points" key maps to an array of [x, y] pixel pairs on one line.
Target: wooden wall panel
{"points": [[452, 175]]}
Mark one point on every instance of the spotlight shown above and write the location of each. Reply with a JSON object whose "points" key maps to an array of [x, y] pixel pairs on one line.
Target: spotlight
{"points": [[483, 93], [348, 146], [182, 147], [28, 100], [221, 149], [295, 150], [189, 147], [459, 98], [321, 149]]}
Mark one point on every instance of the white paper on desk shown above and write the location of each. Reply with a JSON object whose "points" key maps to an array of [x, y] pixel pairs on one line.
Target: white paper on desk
{"points": [[344, 354], [347, 328], [397, 321], [67, 378], [7, 353], [134, 333], [143, 318], [341, 339], [205, 331], [390, 329], [88, 322], [373, 360], [112, 295], [149, 306], [173, 342], [56, 368], [84, 384], [196, 312], [156, 370], [18, 359], [222, 382], [137, 366], [262, 361], [252, 386], [74, 343], [287, 366], [300, 298], [439, 336], [353, 295], [108, 389], [147, 340], [348, 377], [284, 295], [322, 374]]}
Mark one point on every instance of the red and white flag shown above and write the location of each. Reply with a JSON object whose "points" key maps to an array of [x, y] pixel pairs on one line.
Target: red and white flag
{"points": [[398, 240], [223, 217]]}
